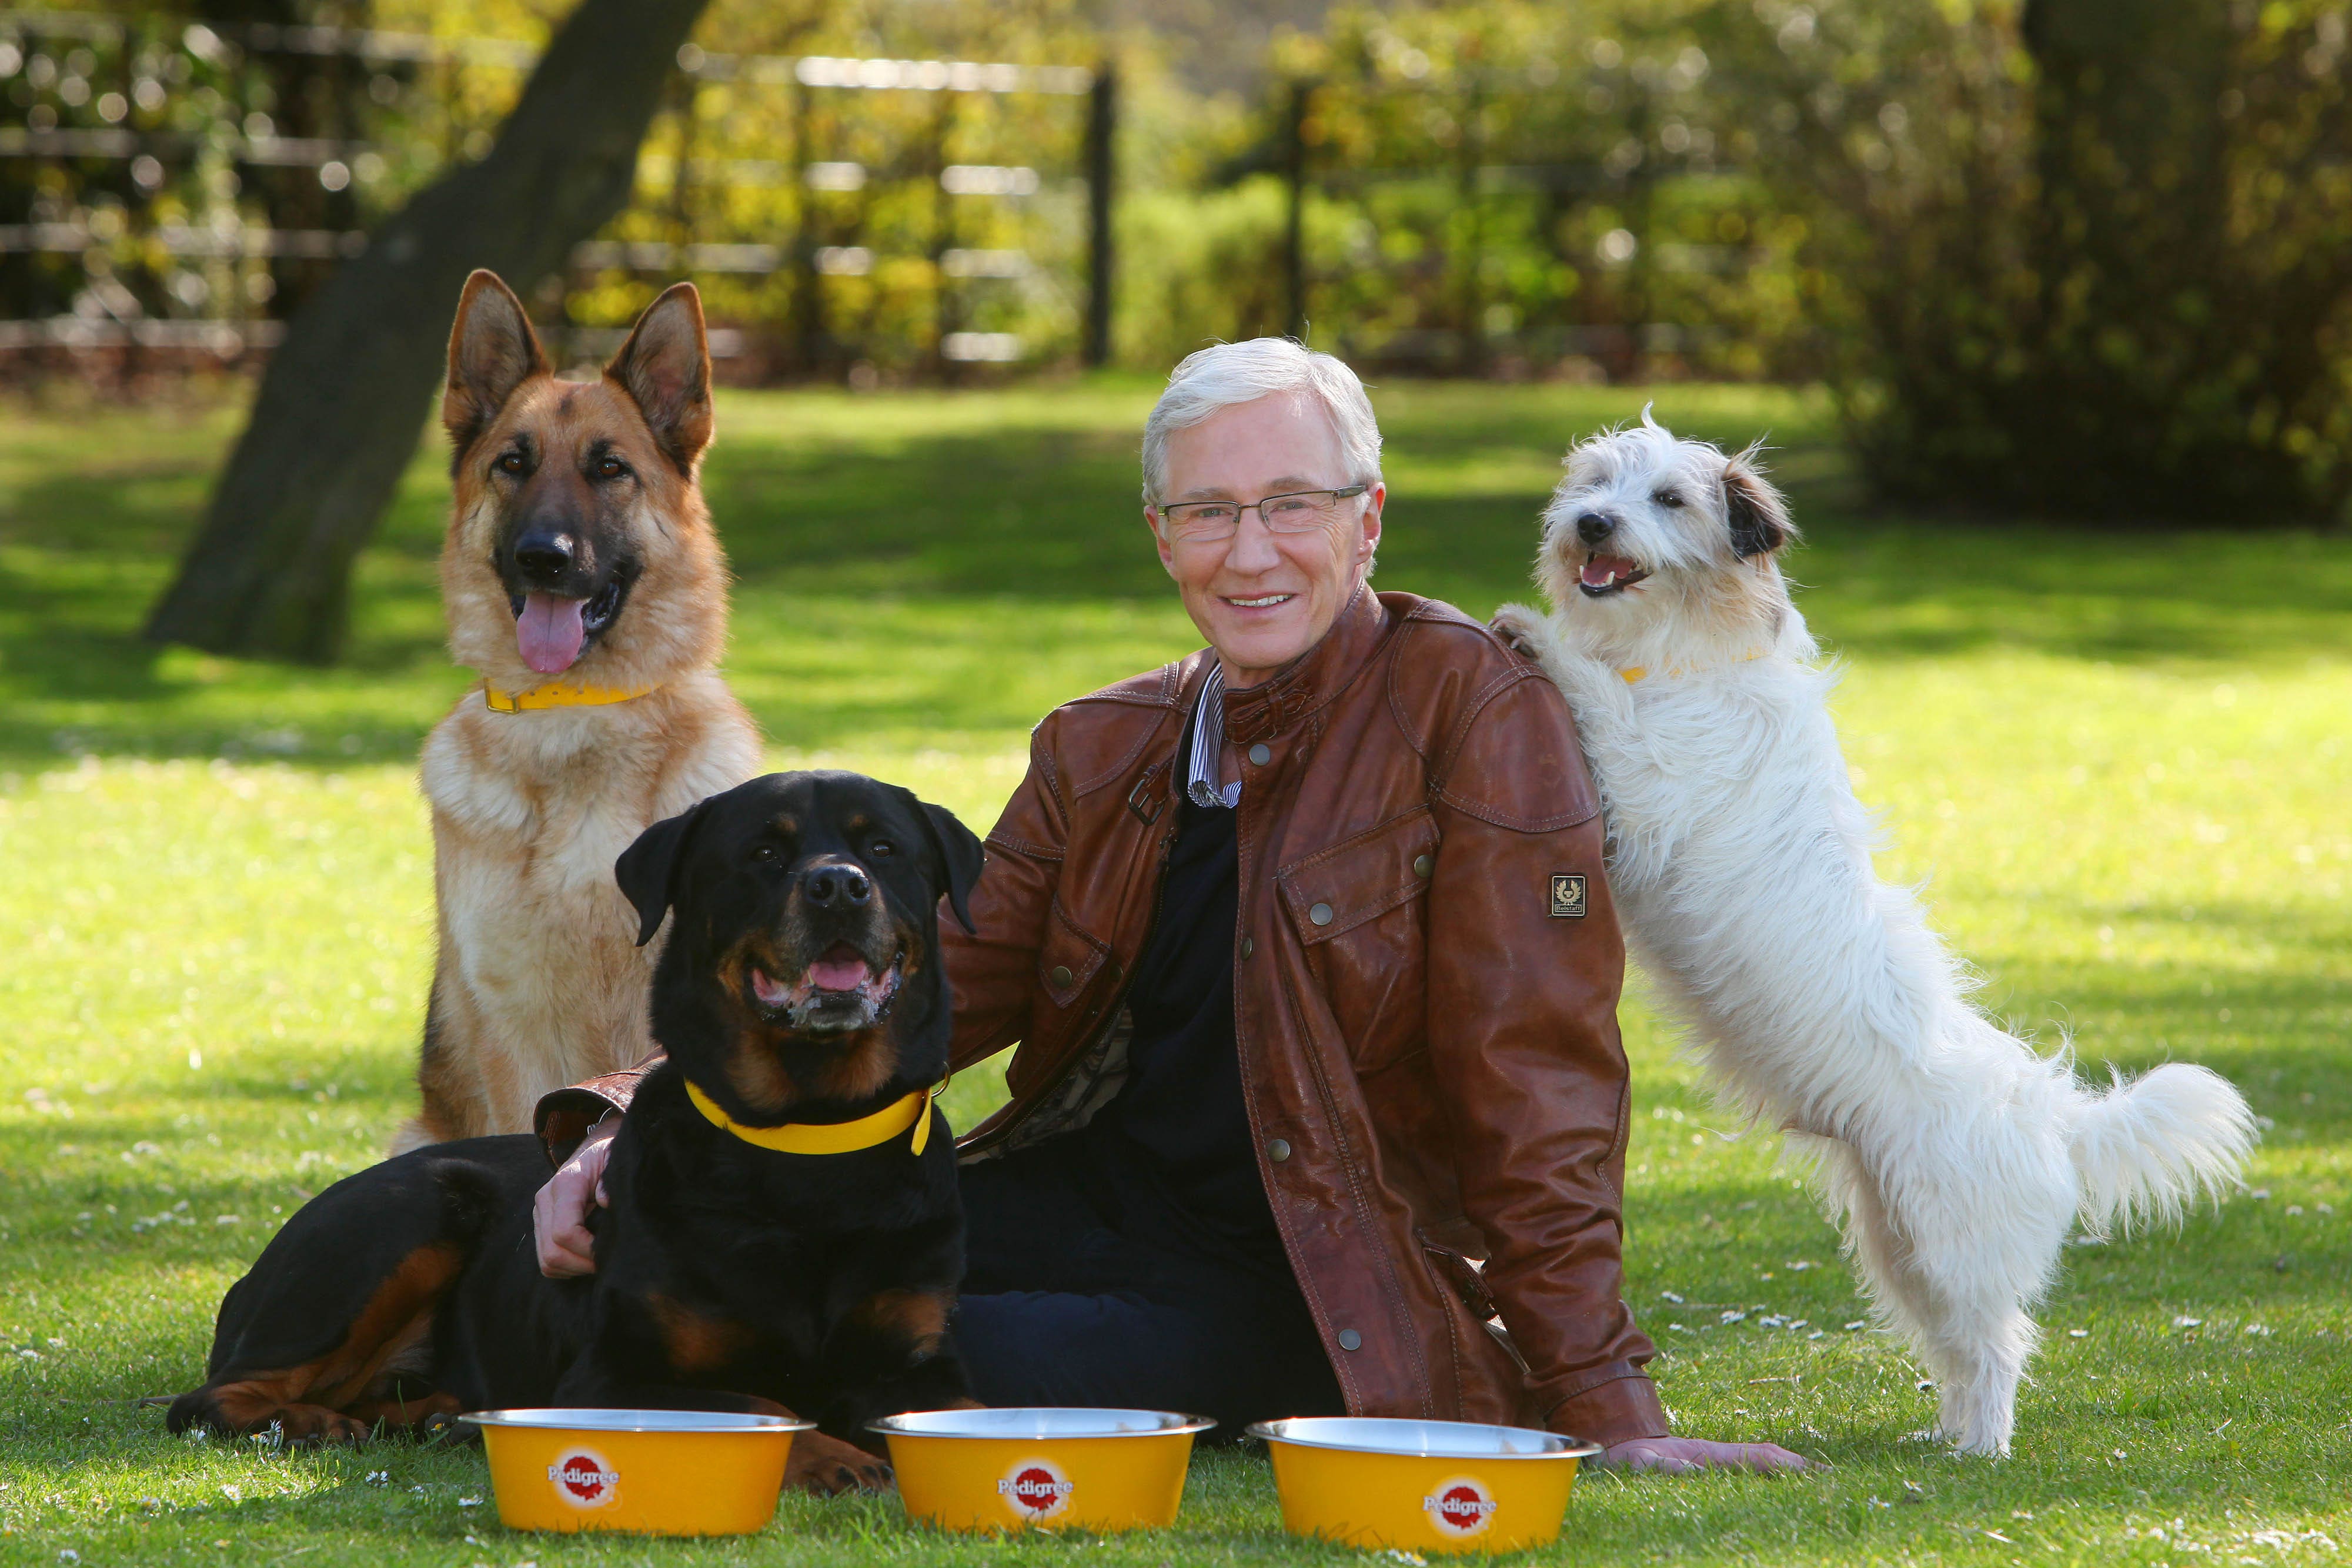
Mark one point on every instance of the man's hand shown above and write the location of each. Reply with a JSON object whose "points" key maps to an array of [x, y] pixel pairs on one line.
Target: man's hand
{"points": [[1681, 1456], [558, 1215]]}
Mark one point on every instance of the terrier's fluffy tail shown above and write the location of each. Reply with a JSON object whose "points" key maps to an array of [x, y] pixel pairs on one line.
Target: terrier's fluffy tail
{"points": [[2147, 1148]]}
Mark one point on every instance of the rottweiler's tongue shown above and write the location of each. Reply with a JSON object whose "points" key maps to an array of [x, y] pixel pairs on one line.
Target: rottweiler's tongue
{"points": [[548, 632], [841, 969]]}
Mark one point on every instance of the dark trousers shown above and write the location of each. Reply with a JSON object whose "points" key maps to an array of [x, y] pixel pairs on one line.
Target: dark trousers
{"points": [[1063, 1306]]}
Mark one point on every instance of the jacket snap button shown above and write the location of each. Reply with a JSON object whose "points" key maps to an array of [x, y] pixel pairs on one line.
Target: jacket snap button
{"points": [[1277, 1149], [1350, 1339], [1423, 865], [1261, 754], [1320, 914], [1062, 976], [1248, 946]]}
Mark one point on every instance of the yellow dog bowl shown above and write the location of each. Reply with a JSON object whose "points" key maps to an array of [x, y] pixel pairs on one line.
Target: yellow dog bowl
{"points": [[1042, 1468], [664, 1472], [1422, 1486]]}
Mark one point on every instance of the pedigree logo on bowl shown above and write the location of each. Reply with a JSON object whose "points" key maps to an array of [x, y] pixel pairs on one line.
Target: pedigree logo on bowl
{"points": [[583, 1480], [1459, 1507], [1035, 1490]]}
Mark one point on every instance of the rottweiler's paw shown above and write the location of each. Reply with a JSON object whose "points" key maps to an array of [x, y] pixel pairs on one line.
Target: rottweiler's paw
{"points": [[828, 1466], [316, 1427]]}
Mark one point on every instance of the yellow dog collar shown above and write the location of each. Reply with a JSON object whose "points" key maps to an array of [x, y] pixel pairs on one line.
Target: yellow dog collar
{"points": [[830, 1137], [561, 694], [1638, 673]]}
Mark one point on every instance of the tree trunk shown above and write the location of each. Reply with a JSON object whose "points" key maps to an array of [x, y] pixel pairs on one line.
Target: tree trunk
{"points": [[337, 418]]}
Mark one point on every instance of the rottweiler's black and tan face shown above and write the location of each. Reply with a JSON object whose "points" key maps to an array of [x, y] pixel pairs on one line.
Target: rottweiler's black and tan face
{"points": [[806, 935]]}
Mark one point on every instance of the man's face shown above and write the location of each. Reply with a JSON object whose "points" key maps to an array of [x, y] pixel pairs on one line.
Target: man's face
{"points": [[1261, 598]]}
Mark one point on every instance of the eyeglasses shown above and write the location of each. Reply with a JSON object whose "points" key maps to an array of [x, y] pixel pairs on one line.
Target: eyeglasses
{"points": [[1300, 512]]}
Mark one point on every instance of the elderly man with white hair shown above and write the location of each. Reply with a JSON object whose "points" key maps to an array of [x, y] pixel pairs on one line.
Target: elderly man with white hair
{"points": [[1319, 1104]]}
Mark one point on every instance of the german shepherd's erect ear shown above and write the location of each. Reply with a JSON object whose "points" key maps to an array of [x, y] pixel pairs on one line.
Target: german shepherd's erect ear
{"points": [[492, 350], [665, 368]]}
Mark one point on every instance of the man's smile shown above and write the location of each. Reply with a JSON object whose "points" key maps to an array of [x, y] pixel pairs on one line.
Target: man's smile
{"points": [[1263, 602]]}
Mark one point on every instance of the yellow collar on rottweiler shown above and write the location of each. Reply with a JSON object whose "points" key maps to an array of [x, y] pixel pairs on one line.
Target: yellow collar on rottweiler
{"points": [[830, 1137], [563, 694]]}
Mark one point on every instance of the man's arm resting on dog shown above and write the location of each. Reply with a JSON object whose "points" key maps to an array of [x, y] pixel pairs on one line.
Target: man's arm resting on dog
{"points": [[576, 1126], [1523, 1036]]}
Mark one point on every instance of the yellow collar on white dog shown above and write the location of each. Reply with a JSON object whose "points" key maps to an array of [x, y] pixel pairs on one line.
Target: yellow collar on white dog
{"points": [[830, 1137], [563, 694], [1638, 673]]}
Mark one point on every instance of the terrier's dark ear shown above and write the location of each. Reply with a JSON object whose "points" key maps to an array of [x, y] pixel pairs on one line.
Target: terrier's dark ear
{"points": [[1758, 518], [960, 855], [492, 350], [647, 870], [666, 367]]}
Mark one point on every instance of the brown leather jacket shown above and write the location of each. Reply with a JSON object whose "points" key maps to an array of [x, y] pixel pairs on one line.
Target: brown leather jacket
{"points": [[1425, 1000]]}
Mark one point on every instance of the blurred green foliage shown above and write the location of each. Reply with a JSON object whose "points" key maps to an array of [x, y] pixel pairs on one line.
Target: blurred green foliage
{"points": [[2081, 257]]}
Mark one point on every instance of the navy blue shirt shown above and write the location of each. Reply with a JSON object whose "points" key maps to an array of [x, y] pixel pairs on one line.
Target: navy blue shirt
{"points": [[1174, 1146]]}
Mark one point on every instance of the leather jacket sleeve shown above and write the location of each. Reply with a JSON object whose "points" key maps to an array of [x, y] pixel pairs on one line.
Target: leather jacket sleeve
{"points": [[564, 1116], [1522, 1029], [993, 968]]}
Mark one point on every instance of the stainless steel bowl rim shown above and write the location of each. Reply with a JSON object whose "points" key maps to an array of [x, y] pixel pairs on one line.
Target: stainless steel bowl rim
{"points": [[1466, 1447], [560, 1418], [1166, 1424]]}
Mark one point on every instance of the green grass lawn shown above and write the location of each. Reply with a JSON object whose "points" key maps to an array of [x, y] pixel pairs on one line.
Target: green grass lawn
{"points": [[2121, 762]]}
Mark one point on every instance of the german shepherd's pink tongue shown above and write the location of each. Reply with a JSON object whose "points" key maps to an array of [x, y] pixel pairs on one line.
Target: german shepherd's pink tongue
{"points": [[548, 632]]}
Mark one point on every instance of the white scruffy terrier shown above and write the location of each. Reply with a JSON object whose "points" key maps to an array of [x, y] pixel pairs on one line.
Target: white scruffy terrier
{"points": [[1953, 1155]]}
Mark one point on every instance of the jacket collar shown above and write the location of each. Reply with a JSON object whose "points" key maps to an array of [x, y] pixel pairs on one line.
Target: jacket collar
{"points": [[1276, 707]]}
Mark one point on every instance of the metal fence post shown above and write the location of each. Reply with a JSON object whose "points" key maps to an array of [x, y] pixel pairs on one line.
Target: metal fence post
{"points": [[808, 314], [1294, 243], [1102, 127]]}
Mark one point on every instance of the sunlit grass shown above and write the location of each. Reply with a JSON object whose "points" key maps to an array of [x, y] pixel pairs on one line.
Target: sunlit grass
{"points": [[2119, 764]]}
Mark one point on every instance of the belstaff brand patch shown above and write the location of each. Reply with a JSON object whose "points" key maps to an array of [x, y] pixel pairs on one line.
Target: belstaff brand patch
{"points": [[1568, 898]]}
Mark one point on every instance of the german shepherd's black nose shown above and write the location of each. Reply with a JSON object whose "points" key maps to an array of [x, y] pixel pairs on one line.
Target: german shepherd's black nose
{"points": [[543, 555], [835, 886], [1593, 527]]}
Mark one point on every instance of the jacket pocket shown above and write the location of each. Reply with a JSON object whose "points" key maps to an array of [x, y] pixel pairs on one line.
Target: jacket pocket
{"points": [[1360, 909], [1068, 959], [1466, 1279], [1073, 966]]}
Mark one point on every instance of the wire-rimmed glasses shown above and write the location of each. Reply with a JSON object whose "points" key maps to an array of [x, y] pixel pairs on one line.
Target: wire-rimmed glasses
{"points": [[1298, 512]]}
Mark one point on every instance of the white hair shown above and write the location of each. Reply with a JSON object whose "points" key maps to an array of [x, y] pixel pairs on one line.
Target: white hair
{"points": [[1226, 374]]}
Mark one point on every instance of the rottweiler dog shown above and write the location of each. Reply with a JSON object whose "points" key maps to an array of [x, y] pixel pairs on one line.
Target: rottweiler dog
{"points": [[784, 1230]]}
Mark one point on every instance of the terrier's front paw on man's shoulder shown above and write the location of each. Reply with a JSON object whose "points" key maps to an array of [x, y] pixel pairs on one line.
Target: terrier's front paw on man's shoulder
{"points": [[1522, 628]]}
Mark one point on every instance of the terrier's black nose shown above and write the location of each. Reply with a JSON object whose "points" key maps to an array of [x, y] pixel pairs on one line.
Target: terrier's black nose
{"points": [[1592, 528], [544, 556], [829, 885]]}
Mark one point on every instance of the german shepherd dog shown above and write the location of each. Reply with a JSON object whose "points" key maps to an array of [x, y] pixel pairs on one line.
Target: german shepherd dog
{"points": [[582, 578], [800, 999]]}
